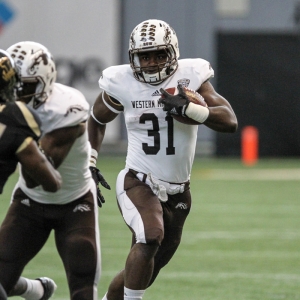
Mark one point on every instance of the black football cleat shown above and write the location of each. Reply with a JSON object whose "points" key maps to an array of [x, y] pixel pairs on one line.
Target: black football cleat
{"points": [[49, 287]]}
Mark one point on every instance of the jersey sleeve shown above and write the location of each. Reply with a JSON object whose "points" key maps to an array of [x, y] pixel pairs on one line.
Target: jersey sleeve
{"points": [[27, 119], [19, 126], [204, 69], [108, 84], [113, 81], [69, 112]]}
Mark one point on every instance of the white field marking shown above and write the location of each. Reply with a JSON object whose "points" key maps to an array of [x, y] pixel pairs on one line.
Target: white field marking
{"points": [[243, 235], [248, 174], [239, 254], [229, 275], [218, 275], [219, 253]]}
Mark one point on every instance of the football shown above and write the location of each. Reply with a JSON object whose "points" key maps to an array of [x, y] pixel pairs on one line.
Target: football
{"points": [[193, 97]]}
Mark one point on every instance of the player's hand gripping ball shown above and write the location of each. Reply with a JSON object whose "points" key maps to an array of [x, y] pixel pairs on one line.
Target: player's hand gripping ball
{"points": [[187, 96]]}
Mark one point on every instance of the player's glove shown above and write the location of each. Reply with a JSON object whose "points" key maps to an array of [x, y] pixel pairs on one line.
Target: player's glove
{"points": [[98, 178], [174, 104]]}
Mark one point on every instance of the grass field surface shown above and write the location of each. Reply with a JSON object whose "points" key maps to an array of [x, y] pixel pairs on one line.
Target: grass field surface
{"points": [[241, 240]]}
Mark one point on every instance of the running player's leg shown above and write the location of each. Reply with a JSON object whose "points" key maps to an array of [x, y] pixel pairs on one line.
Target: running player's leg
{"points": [[143, 214], [78, 244], [22, 235], [176, 210]]}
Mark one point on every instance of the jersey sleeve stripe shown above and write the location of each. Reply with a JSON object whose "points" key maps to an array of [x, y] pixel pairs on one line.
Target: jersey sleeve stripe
{"points": [[29, 118], [109, 106], [2, 129], [25, 143], [93, 116]]}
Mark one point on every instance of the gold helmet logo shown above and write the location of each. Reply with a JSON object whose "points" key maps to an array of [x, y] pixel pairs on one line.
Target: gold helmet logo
{"points": [[7, 71]]}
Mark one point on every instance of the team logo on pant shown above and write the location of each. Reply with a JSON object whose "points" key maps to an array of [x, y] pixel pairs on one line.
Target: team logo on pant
{"points": [[82, 208], [181, 205]]}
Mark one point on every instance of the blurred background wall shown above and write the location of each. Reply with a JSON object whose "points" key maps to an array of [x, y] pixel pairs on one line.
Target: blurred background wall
{"points": [[253, 46], [82, 35]]}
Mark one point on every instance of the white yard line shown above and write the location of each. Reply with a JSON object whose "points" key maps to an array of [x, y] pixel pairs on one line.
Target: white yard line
{"points": [[248, 174], [219, 275], [237, 275], [259, 254], [243, 235]]}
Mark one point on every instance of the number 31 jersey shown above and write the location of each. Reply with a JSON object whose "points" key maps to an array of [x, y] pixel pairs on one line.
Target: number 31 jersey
{"points": [[157, 143]]}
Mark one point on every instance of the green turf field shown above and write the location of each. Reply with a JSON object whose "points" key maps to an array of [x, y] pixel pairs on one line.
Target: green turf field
{"points": [[241, 240]]}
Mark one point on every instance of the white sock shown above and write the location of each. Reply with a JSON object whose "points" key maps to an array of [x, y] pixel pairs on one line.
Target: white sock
{"points": [[34, 291], [105, 298], [133, 294]]}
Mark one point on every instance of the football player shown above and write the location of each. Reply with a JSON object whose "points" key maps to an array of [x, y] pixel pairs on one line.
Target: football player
{"points": [[153, 190], [19, 133], [72, 212]]}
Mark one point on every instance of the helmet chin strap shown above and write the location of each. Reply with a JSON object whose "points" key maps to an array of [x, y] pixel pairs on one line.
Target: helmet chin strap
{"points": [[31, 100]]}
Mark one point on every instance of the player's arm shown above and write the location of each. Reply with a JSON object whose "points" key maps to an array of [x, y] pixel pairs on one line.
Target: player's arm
{"points": [[37, 170], [221, 116], [58, 142], [100, 115]]}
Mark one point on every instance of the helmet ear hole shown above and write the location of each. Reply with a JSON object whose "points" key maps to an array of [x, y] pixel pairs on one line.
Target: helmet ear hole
{"points": [[153, 35]]}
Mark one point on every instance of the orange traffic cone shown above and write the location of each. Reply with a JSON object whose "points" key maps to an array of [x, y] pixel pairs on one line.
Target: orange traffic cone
{"points": [[249, 145]]}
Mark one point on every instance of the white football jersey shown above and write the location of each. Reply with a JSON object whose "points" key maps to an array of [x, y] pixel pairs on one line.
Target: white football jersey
{"points": [[65, 107], [157, 143]]}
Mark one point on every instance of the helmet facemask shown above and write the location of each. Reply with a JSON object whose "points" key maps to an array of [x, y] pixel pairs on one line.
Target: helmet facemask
{"points": [[154, 74], [32, 91], [149, 36]]}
